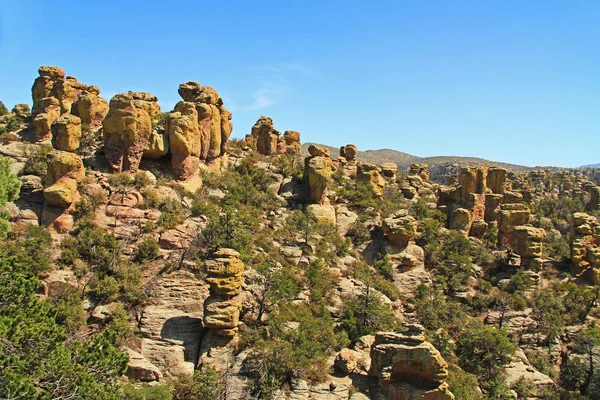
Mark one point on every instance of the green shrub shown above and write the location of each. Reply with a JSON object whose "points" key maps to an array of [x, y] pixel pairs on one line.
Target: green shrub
{"points": [[147, 250], [69, 312], [36, 162], [140, 180], [172, 213], [205, 384], [483, 351], [147, 392], [29, 250]]}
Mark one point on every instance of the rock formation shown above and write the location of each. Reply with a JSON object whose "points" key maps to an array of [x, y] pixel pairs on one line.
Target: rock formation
{"points": [[184, 139], [225, 275], [369, 174], [127, 130], [65, 170], [399, 228], [585, 245], [214, 121], [317, 172], [421, 170], [348, 152], [66, 132], [408, 368], [55, 94], [269, 141], [528, 244]]}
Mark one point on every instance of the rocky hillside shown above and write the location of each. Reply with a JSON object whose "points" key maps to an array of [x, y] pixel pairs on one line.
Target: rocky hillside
{"points": [[440, 167], [144, 255]]}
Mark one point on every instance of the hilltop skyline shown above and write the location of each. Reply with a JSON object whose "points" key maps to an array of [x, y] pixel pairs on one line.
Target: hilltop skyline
{"points": [[425, 79]]}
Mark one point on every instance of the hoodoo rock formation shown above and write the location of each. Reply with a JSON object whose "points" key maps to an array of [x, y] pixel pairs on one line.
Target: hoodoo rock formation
{"points": [[55, 94], [585, 245], [127, 130], [317, 172], [269, 142], [225, 276]]}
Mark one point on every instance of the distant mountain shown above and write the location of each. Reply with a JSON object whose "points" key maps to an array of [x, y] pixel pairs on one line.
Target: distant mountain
{"points": [[439, 167], [591, 166]]}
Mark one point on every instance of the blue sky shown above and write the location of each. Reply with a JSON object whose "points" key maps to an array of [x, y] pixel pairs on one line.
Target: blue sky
{"points": [[514, 81]]}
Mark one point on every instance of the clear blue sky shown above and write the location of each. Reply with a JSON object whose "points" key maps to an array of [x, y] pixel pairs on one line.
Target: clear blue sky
{"points": [[515, 81]]}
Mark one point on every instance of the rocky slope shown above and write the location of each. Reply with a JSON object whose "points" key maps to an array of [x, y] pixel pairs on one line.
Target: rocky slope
{"points": [[329, 275]]}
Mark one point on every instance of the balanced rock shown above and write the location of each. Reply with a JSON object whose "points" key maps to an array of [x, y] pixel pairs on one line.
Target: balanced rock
{"points": [[348, 152], [265, 136], [421, 170], [292, 142], [66, 132], [389, 169], [65, 170]]}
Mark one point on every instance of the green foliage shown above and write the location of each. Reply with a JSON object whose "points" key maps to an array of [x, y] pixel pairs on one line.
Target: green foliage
{"points": [[147, 392], [358, 194], [436, 312], [3, 109], [67, 301], [280, 285], [151, 199], [463, 385], [523, 387], [36, 161], [147, 250], [29, 250], [232, 228], [172, 213], [366, 313], [35, 359], [119, 181], [204, 384], [140, 180], [118, 325], [83, 209], [9, 191], [359, 233], [484, 350], [249, 186], [549, 314]]}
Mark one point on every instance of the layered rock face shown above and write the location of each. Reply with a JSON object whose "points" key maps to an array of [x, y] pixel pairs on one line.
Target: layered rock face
{"points": [[127, 130], [585, 245], [269, 141], [66, 132], [317, 173], [55, 94], [528, 244], [408, 368], [225, 275], [214, 120], [65, 170], [369, 174]]}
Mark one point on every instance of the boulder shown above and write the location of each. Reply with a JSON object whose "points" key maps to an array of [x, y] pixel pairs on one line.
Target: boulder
{"points": [[65, 170], [528, 243], [91, 108], [400, 228], [158, 145], [460, 220], [496, 178], [323, 213], [292, 142], [348, 152], [66, 132]]}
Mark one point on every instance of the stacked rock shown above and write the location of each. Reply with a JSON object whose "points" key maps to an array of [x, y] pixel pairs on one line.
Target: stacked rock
{"points": [[317, 173], [528, 244], [225, 275], [55, 95], [585, 245], [348, 152], [269, 141]]}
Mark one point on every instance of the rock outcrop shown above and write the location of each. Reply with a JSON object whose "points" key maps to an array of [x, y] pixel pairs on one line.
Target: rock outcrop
{"points": [[225, 275], [269, 141], [65, 170], [528, 244], [585, 245], [214, 120], [55, 94], [184, 139], [369, 175], [127, 130], [317, 173], [407, 367], [399, 228], [348, 152]]}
